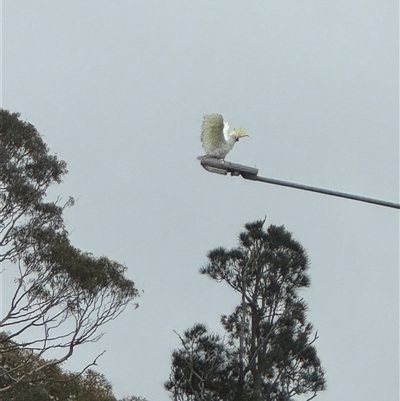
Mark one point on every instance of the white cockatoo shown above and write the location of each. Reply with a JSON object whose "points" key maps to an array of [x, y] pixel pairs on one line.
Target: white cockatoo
{"points": [[217, 137]]}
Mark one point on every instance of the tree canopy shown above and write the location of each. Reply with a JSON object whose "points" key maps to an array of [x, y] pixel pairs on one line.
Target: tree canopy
{"points": [[62, 296], [55, 384], [267, 352]]}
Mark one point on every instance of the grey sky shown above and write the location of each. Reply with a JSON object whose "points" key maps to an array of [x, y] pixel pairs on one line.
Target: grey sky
{"points": [[119, 89]]}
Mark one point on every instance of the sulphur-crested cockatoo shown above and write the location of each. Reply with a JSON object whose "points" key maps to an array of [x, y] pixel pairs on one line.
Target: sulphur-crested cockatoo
{"points": [[217, 137]]}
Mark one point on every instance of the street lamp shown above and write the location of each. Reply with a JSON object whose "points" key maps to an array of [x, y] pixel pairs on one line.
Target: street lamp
{"points": [[250, 173]]}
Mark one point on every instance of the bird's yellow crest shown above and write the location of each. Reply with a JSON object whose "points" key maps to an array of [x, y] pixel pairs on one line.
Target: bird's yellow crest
{"points": [[240, 132]]}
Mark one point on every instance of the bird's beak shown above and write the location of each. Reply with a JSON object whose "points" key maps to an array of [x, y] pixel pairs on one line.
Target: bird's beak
{"points": [[240, 137]]}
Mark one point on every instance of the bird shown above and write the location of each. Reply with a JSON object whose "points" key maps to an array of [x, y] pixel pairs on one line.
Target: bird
{"points": [[217, 137]]}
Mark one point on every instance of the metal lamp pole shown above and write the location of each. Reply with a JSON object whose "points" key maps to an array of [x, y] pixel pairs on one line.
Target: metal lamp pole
{"points": [[250, 173]]}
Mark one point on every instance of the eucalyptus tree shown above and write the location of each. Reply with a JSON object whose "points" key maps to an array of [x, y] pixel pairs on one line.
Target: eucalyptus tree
{"points": [[267, 352], [60, 296]]}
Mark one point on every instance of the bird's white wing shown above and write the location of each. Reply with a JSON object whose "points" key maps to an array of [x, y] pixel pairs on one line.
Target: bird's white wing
{"points": [[212, 136]]}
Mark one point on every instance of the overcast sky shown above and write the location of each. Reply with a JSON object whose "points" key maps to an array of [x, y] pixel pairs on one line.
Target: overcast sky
{"points": [[119, 88]]}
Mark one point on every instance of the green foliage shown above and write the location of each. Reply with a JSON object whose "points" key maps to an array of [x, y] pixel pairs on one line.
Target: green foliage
{"points": [[26, 167], [26, 172], [202, 363], [268, 353], [51, 383]]}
